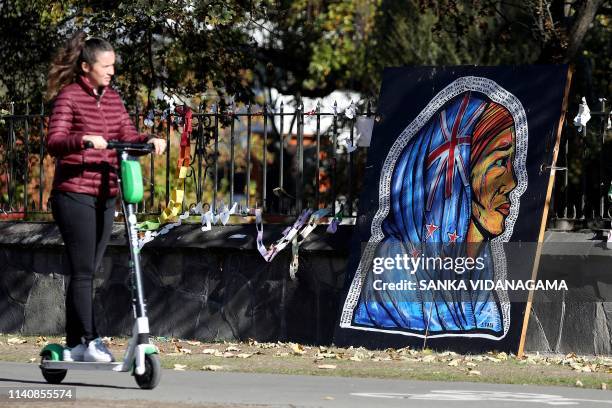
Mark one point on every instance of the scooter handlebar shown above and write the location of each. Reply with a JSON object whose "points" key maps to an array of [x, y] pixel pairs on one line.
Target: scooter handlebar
{"points": [[131, 147]]}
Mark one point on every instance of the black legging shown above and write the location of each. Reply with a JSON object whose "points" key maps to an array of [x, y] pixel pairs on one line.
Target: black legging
{"points": [[85, 223]]}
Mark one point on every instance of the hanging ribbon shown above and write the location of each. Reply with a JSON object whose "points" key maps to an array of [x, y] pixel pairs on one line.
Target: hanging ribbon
{"points": [[583, 116], [304, 233], [288, 234], [182, 168], [171, 217], [364, 126], [295, 258], [333, 225], [149, 121], [184, 159], [208, 218], [351, 111], [296, 234], [223, 216], [174, 206]]}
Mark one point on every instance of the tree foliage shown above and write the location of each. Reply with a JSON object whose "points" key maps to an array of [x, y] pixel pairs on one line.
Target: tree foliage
{"points": [[301, 47], [347, 44], [183, 47]]}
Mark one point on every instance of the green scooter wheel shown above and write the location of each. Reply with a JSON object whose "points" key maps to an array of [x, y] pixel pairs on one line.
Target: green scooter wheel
{"points": [[52, 376], [152, 374]]}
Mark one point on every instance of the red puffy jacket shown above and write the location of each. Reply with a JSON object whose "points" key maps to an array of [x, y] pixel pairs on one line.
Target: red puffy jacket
{"points": [[79, 111]]}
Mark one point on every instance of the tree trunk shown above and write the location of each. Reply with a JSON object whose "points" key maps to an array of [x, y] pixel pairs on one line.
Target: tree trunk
{"points": [[583, 18]]}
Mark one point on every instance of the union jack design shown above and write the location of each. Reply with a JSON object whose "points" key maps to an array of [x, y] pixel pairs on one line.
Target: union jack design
{"points": [[448, 154]]}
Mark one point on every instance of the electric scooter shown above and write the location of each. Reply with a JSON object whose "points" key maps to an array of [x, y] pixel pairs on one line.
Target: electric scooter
{"points": [[141, 357]]}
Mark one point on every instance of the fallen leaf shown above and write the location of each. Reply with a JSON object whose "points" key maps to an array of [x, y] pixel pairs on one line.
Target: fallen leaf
{"points": [[194, 343], [604, 386], [329, 398], [326, 366], [283, 354], [492, 359], [473, 372], [297, 349], [228, 355], [266, 345], [180, 367], [16, 340], [355, 358], [454, 363], [244, 355], [212, 367], [33, 359], [575, 366], [470, 364], [502, 356], [185, 351], [232, 348], [579, 383]]}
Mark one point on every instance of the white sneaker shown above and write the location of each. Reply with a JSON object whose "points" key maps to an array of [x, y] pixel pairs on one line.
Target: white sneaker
{"points": [[74, 354], [97, 352]]}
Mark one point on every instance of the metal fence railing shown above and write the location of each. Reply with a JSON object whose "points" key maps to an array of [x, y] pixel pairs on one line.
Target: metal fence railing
{"points": [[282, 160], [584, 174]]}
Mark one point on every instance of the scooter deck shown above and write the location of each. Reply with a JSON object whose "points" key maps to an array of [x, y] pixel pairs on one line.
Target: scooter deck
{"points": [[82, 365]]}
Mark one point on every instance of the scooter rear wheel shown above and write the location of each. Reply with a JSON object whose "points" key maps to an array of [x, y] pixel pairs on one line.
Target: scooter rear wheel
{"points": [[52, 376], [152, 374]]}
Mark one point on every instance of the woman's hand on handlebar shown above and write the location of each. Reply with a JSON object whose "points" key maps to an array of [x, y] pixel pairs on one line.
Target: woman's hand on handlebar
{"points": [[98, 142], [160, 145]]}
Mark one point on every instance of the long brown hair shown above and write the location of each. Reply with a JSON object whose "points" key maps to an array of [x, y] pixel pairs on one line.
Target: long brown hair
{"points": [[67, 62]]}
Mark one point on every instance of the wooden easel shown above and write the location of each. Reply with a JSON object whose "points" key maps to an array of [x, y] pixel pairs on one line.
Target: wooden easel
{"points": [[551, 182]]}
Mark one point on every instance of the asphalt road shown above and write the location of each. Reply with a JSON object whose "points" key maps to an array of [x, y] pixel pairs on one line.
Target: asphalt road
{"points": [[302, 391]]}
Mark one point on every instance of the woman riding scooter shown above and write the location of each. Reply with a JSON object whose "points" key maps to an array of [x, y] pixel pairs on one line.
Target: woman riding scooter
{"points": [[86, 109]]}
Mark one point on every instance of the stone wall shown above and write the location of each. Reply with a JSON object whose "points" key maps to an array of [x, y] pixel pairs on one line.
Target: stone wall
{"points": [[213, 287], [217, 289]]}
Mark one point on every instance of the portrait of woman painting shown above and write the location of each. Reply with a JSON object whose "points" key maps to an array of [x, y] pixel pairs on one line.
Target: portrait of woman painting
{"points": [[450, 188]]}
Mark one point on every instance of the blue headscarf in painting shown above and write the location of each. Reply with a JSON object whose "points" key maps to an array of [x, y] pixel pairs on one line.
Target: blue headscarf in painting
{"points": [[429, 216]]}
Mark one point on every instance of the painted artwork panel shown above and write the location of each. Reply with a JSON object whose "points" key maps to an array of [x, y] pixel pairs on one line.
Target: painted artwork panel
{"points": [[454, 174]]}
